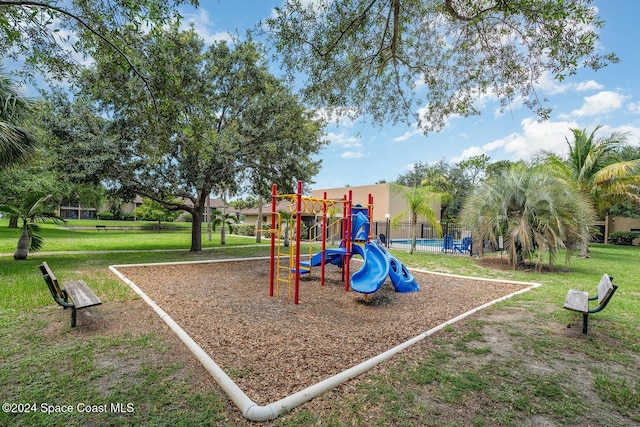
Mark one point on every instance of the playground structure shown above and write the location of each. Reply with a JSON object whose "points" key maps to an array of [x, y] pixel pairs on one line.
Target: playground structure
{"points": [[286, 265]]}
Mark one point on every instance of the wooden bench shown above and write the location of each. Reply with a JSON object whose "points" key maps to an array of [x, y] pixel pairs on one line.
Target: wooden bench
{"points": [[113, 227], [75, 294], [579, 300]]}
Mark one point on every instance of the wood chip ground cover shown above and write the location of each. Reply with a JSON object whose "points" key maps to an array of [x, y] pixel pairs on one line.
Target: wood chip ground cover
{"points": [[271, 347]]}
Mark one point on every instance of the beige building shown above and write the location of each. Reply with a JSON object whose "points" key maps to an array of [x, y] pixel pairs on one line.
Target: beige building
{"points": [[613, 224], [385, 200]]}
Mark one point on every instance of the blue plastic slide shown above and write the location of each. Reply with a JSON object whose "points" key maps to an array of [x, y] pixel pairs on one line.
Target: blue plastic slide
{"points": [[401, 277], [377, 266], [374, 271], [333, 256]]}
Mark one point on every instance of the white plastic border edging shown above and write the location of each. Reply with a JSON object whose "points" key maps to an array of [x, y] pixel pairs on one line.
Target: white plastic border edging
{"points": [[251, 410]]}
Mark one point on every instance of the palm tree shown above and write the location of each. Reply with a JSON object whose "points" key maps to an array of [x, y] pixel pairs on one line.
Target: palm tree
{"points": [[418, 204], [16, 144], [592, 164], [436, 182], [225, 220], [30, 212], [533, 210]]}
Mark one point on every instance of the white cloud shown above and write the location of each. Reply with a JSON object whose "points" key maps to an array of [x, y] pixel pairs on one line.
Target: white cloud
{"points": [[409, 168], [601, 103], [548, 135], [634, 107], [589, 85], [203, 25], [407, 135], [343, 140], [550, 85], [632, 132], [352, 155], [468, 153], [535, 137], [340, 116]]}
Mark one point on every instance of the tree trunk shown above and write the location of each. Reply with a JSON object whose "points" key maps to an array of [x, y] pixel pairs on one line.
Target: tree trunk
{"points": [[584, 244], [196, 230], [24, 241], [223, 231], [286, 235], [259, 221], [413, 235]]}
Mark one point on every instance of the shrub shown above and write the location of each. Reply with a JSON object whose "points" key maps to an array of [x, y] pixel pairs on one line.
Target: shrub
{"points": [[623, 237], [106, 215], [244, 229]]}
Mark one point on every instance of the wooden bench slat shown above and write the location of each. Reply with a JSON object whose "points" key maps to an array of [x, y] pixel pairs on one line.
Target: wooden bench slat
{"points": [[605, 288], [81, 295], [577, 301]]}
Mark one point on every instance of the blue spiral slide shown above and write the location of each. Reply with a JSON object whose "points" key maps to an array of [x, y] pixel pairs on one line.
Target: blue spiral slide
{"points": [[378, 265]]}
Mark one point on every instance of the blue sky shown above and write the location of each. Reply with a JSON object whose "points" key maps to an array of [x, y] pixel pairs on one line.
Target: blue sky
{"points": [[362, 154]]}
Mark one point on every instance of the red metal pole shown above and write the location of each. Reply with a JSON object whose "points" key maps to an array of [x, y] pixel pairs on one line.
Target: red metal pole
{"points": [[343, 233], [296, 290], [274, 202], [348, 255], [324, 237], [370, 212]]}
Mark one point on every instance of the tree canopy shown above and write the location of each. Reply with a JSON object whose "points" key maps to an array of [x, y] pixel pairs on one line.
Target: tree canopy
{"points": [[378, 57]]}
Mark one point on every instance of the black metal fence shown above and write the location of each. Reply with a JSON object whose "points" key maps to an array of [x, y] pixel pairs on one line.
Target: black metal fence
{"points": [[452, 239]]}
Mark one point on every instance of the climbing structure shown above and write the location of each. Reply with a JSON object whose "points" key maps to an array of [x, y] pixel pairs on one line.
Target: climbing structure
{"points": [[354, 226]]}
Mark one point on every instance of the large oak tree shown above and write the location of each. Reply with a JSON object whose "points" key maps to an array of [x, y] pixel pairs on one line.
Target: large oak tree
{"points": [[219, 120]]}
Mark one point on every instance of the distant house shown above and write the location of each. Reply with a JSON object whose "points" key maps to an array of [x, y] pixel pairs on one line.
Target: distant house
{"points": [[73, 209], [614, 224], [251, 215]]}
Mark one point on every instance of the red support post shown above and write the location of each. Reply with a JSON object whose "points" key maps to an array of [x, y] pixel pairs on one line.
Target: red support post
{"points": [[370, 214], [272, 272], [348, 245], [343, 232]]}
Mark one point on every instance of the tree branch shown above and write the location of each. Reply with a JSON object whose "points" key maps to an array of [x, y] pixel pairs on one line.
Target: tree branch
{"points": [[87, 26], [448, 6], [344, 32]]}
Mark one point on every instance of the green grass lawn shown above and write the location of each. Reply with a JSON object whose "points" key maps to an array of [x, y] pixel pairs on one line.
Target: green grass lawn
{"points": [[456, 373], [75, 236]]}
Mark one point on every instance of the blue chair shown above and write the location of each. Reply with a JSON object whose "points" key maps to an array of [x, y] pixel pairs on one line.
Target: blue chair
{"points": [[447, 244], [464, 246]]}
